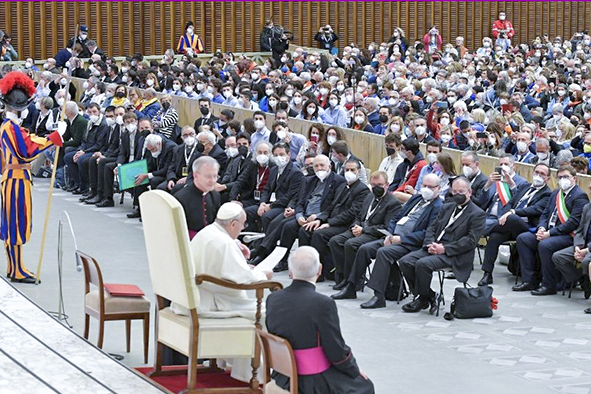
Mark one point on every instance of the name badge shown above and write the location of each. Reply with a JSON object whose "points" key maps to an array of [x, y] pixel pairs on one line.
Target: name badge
{"points": [[257, 195], [272, 199], [402, 221], [184, 171]]}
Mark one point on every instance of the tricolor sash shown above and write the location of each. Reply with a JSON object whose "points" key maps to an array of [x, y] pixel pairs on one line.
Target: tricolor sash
{"points": [[561, 210], [504, 192]]}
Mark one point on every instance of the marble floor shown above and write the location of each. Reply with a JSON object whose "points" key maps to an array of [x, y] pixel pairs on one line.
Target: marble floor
{"points": [[531, 344]]}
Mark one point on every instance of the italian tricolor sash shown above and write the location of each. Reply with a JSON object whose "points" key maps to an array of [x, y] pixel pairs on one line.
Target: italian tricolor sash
{"points": [[504, 192], [563, 213]]}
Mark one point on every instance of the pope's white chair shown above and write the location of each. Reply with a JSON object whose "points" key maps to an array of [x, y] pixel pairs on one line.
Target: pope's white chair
{"points": [[173, 278]]}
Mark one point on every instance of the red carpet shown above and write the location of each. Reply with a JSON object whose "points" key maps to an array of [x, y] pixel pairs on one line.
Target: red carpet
{"points": [[204, 380]]}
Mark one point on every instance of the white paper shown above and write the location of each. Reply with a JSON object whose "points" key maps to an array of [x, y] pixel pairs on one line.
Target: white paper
{"points": [[271, 261]]}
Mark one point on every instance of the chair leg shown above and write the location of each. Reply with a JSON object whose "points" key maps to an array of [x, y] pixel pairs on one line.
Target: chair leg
{"points": [[86, 325], [441, 280], [128, 334], [101, 333], [146, 336], [400, 288]]}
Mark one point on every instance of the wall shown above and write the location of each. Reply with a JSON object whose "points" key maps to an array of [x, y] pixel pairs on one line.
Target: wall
{"points": [[41, 28]]}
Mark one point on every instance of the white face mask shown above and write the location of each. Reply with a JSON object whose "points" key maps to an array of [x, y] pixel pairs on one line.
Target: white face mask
{"points": [[84, 85], [542, 155], [323, 92], [269, 92], [259, 124], [93, 118], [451, 100], [83, 36], [432, 157], [176, 87], [420, 130], [395, 127], [281, 161], [231, 152], [189, 89], [227, 93], [110, 121], [333, 102], [200, 87], [262, 159], [537, 181], [331, 139], [190, 140], [351, 177], [311, 110], [445, 138], [119, 120], [427, 193], [132, 127], [340, 87], [349, 98], [467, 171], [273, 103], [506, 169], [157, 153], [281, 134], [150, 82], [322, 174], [444, 121], [289, 92], [359, 119], [565, 184], [521, 146]]}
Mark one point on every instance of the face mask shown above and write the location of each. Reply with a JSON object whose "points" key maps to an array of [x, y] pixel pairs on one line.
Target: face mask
{"points": [[297, 100], [564, 184], [132, 127], [254, 76], [231, 152], [157, 153], [269, 92], [259, 124], [273, 103], [323, 92], [561, 93], [383, 118], [537, 180], [331, 139], [204, 111], [445, 138], [322, 174], [85, 85], [262, 159], [395, 128], [281, 134], [110, 121], [392, 101], [119, 120], [93, 118], [289, 92], [359, 119], [227, 93], [83, 36], [542, 156], [200, 87], [421, 130], [63, 81], [189, 89], [431, 157], [378, 191], [506, 169], [587, 148], [349, 98], [467, 171], [311, 110], [444, 121], [333, 102], [459, 199], [281, 161], [340, 87], [390, 151], [451, 100], [210, 89], [427, 193], [243, 151], [124, 79], [502, 17], [521, 146], [350, 177]]}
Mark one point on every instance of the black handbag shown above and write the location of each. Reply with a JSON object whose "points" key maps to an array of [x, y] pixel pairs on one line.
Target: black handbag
{"points": [[471, 302]]}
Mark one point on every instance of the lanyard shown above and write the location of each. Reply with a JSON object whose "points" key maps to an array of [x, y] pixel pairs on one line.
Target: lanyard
{"points": [[187, 158], [371, 211], [260, 177], [452, 220]]}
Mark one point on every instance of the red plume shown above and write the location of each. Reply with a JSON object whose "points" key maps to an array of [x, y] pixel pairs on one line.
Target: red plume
{"points": [[17, 79]]}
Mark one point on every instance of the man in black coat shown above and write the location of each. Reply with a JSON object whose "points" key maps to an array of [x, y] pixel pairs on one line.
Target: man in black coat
{"points": [[283, 186], [450, 241], [522, 213], [182, 161], [378, 209], [212, 149], [339, 216], [309, 321], [407, 231], [235, 166], [471, 170], [207, 118]]}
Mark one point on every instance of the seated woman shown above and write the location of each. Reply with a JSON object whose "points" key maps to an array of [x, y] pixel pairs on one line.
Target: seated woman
{"points": [[360, 121]]}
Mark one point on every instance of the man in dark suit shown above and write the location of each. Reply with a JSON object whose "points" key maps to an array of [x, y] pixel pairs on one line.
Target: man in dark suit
{"points": [[96, 165], [521, 214], [211, 149], [340, 153], [553, 234], [339, 216], [316, 195], [375, 214], [159, 152], [235, 167], [283, 186], [471, 170], [450, 241], [183, 157], [566, 260], [207, 118], [407, 231], [249, 186], [309, 321]]}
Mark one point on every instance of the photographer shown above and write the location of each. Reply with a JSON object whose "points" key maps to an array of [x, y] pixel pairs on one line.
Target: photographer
{"points": [[279, 45], [326, 38], [503, 31]]}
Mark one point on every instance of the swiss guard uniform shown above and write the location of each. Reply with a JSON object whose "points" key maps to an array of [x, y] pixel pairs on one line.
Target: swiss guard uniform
{"points": [[18, 149], [190, 43]]}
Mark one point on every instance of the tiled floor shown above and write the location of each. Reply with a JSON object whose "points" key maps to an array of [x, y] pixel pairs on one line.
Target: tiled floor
{"points": [[531, 344]]}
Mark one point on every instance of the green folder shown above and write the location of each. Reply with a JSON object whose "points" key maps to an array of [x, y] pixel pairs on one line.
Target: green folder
{"points": [[128, 172]]}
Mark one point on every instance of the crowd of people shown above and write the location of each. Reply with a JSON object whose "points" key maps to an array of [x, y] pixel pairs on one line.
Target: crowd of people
{"points": [[520, 102]]}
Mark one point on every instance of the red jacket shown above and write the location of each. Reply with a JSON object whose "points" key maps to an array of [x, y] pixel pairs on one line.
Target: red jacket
{"points": [[503, 25]]}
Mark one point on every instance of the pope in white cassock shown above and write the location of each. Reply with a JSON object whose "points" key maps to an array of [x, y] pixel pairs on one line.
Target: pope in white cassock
{"points": [[217, 252]]}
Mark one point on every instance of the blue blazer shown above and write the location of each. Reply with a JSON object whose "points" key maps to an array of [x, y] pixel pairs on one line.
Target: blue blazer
{"points": [[416, 237], [487, 197], [575, 201]]}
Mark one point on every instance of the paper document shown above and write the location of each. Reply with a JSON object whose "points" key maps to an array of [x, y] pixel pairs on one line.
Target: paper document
{"points": [[271, 260], [384, 232], [128, 172]]}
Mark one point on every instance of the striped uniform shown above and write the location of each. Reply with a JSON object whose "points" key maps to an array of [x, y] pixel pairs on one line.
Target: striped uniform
{"points": [[17, 148], [194, 42]]}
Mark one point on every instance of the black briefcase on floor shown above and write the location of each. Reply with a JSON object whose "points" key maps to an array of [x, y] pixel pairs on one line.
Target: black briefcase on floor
{"points": [[472, 302]]}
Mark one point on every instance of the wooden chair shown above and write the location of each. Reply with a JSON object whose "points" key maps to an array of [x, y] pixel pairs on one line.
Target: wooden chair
{"points": [[174, 279], [104, 307], [278, 355]]}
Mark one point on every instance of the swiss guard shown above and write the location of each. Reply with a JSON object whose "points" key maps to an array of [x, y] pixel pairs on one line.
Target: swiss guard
{"points": [[18, 149]]}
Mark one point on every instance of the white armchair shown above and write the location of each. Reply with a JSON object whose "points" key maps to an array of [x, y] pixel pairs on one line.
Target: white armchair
{"points": [[173, 278]]}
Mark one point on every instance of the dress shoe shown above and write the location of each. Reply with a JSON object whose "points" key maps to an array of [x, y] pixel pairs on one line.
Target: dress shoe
{"points": [[586, 286], [487, 279], [95, 200], [434, 303], [106, 203], [348, 293], [77, 192], [87, 193], [256, 261], [281, 266], [374, 303], [588, 310], [415, 305], [525, 286], [28, 280], [86, 197], [340, 286], [71, 188], [542, 291], [135, 214]]}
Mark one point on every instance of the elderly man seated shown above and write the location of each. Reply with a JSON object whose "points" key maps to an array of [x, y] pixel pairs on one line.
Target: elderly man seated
{"points": [[216, 252]]}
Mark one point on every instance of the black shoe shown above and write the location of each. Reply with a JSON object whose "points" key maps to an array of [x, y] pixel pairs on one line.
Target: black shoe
{"points": [[94, 200], [135, 214], [543, 290], [281, 266], [87, 197], [340, 286], [77, 192], [256, 261], [28, 280], [588, 310], [374, 303], [487, 279], [106, 203], [586, 286], [70, 188], [87, 193], [525, 286], [416, 305], [348, 293], [434, 303]]}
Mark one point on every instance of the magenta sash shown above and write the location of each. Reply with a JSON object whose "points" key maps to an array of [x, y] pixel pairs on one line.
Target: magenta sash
{"points": [[311, 361]]}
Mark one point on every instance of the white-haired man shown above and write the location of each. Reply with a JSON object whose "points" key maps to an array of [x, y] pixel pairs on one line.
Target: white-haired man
{"points": [[310, 322]]}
